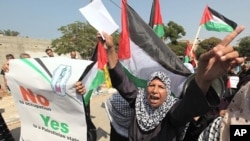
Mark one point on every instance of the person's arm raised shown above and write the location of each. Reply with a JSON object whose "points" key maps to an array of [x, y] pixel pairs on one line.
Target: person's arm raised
{"points": [[217, 61], [110, 49]]}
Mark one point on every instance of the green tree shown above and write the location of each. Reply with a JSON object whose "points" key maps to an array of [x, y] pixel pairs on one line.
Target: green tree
{"points": [[9, 32], [244, 46], [76, 36], [209, 43], [173, 32], [178, 48]]}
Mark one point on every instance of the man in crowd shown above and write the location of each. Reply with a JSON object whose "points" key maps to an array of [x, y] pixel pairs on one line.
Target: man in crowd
{"points": [[49, 52]]}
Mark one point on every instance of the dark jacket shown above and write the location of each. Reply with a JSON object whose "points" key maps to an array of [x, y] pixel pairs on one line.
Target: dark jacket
{"points": [[194, 103], [5, 134]]}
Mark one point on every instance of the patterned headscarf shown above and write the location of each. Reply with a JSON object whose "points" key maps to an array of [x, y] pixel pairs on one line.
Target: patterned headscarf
{"points": [[119, 113], [147, 117]]}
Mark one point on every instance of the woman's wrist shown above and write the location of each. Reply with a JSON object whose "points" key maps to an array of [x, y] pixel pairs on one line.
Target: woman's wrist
{"points": [[203, 85]]}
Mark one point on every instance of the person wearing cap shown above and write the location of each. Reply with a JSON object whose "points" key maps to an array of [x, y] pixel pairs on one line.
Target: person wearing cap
{"points": [[158, 115]]}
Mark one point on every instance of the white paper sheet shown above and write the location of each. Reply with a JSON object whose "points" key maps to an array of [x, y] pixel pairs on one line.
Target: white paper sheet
{"points": [[98, 16]]}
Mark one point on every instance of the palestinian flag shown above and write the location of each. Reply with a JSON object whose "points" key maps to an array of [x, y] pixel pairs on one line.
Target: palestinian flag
{"points": [[142, 52], [101, 57], [187, 52], [156, 19], [214, 21], [189, 56], [98, 71]]}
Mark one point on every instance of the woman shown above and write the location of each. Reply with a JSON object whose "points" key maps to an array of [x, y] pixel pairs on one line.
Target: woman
{"points": [[158, 116]]}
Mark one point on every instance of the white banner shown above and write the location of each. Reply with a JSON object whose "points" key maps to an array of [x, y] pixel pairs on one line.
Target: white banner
{"points": [[46, 100]]}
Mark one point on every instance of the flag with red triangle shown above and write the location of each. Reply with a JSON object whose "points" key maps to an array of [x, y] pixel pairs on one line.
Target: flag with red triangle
{"points": [[190, 56], [142, 52], [156, 19], [98, 71], [214, 21]]}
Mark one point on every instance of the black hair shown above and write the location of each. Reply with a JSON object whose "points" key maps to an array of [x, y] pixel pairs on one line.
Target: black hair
{"points": [[48, 49], [9, 56]]}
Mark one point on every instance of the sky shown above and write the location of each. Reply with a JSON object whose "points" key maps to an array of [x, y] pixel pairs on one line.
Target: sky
{"points": [[41, 19]]}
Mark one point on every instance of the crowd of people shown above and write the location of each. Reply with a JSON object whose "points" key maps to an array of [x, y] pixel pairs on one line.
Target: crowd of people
{"points": [[157, 115], [153, 113]]}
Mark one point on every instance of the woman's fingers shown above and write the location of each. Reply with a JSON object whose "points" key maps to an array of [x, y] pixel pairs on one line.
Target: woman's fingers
{"points": [[80, 88], [230, 37]]}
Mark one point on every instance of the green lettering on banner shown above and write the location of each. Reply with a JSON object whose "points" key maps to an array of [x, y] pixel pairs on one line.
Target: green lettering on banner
{"points": [[45, 119], [64, 128], [55, 125]]}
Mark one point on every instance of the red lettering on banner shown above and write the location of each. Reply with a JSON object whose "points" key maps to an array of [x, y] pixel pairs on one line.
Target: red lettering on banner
{"points": [[29, 96]]}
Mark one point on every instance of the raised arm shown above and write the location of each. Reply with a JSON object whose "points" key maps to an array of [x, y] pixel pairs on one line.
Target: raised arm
{"points": [[218, 61], [199, 96], [119, 79], [110, 49]]}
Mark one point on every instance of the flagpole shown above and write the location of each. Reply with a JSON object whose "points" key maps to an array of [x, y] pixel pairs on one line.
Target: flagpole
{"points": [[195, 39], [194, 45]]}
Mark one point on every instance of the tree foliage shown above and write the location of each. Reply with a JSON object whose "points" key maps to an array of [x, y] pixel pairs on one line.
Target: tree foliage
{"points": [[244, 46], [206, 45], [173, 32], [9, 32], [209, 43], [178, 48], [77, 36]]}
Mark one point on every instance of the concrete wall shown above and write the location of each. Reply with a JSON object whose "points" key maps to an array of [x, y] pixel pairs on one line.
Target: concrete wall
{"points": [[16, 45]]}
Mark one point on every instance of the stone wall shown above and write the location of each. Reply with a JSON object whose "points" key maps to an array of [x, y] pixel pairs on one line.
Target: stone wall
{"points": [[17, 45]]}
